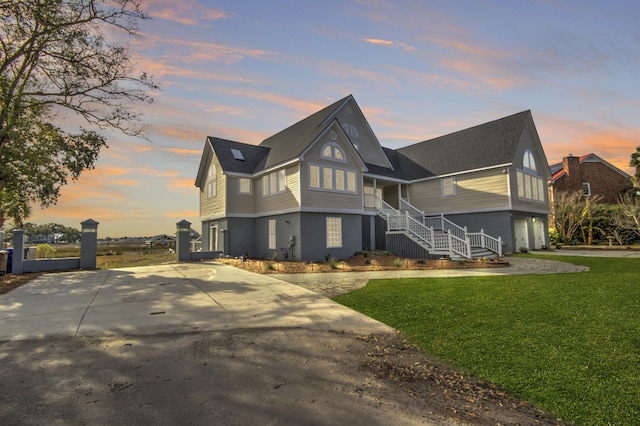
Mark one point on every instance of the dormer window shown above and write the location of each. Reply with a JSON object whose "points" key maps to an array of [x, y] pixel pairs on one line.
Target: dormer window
{"points": [[237, 154], [332, 151]]}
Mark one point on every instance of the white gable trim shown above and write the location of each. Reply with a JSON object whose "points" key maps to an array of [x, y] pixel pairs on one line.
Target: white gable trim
{"points": [[373, 136], [346, 142]]}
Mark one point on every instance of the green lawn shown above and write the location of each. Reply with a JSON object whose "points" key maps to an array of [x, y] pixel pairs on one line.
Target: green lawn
{"points": [[569, 343]]}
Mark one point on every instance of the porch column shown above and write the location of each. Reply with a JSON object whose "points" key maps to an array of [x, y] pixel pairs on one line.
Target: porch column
{"points": [[399, 194]]}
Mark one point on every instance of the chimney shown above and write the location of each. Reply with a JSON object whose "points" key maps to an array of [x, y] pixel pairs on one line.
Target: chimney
{"points": [[571, 166]]}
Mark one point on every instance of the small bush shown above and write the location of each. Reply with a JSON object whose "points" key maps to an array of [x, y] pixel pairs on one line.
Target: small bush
{"points": [[333, 263], [397, 263], [524, 249], [44, 251], [274, 257]]}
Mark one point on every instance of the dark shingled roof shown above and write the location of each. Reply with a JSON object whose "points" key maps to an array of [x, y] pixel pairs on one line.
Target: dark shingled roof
{"points": [[292, 141], [477, 147], [253, 155], [404, 167]]}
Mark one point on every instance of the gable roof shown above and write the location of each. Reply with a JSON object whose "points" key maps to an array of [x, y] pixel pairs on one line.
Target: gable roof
{"points": [[557, 169], [477, 147], [291, 142]]}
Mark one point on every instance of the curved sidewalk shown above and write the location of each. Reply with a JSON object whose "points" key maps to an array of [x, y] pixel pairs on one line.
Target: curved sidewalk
{"points": [[332, 284]]}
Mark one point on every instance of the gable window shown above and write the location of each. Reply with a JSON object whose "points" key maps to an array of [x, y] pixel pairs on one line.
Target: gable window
{"points": [[586, 189], [334, 232], [272, 234], [530, 185], [448, 186], [274, 182], [350, 130], [212, 181], [332, 151], [244, 185], [528, 162], [334, 179]]}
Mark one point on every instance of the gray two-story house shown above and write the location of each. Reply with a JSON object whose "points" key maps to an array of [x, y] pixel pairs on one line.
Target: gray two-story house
{"points": [[326, 187]]}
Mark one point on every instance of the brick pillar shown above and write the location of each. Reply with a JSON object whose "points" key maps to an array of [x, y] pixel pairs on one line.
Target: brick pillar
{"points": [[89, 244], [18, 251], [183, 241]]}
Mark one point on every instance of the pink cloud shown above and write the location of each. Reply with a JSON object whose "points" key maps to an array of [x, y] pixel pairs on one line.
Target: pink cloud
{"points": [[186, 12]]}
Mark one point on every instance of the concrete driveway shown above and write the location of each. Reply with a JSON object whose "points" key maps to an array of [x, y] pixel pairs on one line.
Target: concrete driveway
{"points": [[173, 298]]}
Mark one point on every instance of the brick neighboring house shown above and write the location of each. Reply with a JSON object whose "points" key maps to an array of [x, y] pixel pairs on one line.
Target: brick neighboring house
{"points": [[591, 174]]}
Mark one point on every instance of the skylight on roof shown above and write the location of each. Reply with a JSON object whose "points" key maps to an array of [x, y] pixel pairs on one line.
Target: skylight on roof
{"points": [[237, 154]]}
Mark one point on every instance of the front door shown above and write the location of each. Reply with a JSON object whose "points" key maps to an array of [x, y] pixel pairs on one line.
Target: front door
{"points": [[522, 235]]}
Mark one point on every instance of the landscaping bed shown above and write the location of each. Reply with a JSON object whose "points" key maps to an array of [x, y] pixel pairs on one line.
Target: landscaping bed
{"points": [[361, 262]]}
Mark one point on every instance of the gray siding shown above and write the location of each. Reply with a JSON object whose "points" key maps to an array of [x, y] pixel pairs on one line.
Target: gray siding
{"points": [[289, 199], [314, 247], [238, 203]]}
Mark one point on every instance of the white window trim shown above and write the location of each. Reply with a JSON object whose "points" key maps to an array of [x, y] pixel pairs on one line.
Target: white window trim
{"points": [[212, 181], [279, 178], [272, 234], [240, 191], [334, 236], [334, 146], [587, 186], [530, 186], [333, 169], [454, 186]]}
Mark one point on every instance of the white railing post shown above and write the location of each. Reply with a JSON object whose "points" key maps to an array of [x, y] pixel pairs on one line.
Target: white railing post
{"points": [[500, 246], [449, 242], [468, 248], [483, 241]]}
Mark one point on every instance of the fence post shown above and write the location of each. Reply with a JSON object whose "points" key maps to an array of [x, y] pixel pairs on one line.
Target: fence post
{"points": [[183, 241], [17, 263], [89, 244]]}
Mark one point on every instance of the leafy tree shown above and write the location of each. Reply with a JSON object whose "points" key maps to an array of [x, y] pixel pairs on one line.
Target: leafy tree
{"points": [[55, 59], [635, 162]]}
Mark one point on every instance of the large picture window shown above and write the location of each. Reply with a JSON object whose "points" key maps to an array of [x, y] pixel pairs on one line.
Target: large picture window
{"points": [[334, 232], [334, 179]]}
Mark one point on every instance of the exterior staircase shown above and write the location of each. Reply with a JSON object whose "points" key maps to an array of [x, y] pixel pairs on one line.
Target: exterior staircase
{"points": [[437, 234]]}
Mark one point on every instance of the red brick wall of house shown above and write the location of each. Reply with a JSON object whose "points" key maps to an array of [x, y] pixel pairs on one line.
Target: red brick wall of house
{"points": [[604, 181]]}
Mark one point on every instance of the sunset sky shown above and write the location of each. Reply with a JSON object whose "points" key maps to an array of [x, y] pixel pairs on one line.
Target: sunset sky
{"points": [[244, 70]]}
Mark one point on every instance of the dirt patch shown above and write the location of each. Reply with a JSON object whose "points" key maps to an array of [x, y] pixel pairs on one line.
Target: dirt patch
{"points": [[11, 282], [359, 263], [249, 376]]}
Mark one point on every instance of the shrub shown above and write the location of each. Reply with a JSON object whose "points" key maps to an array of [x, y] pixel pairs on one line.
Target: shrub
{"points": [[333, 263], [44, 251], [397, 263], [524, 249]]}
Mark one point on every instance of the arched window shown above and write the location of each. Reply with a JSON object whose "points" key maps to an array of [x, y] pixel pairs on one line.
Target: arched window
{"points": [[332, 151], [528, 162], [350, 130], [530, 185], [211, 181]]}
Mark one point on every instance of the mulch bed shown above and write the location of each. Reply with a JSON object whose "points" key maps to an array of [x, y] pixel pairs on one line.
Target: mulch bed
{"points": [[372, 262]]}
